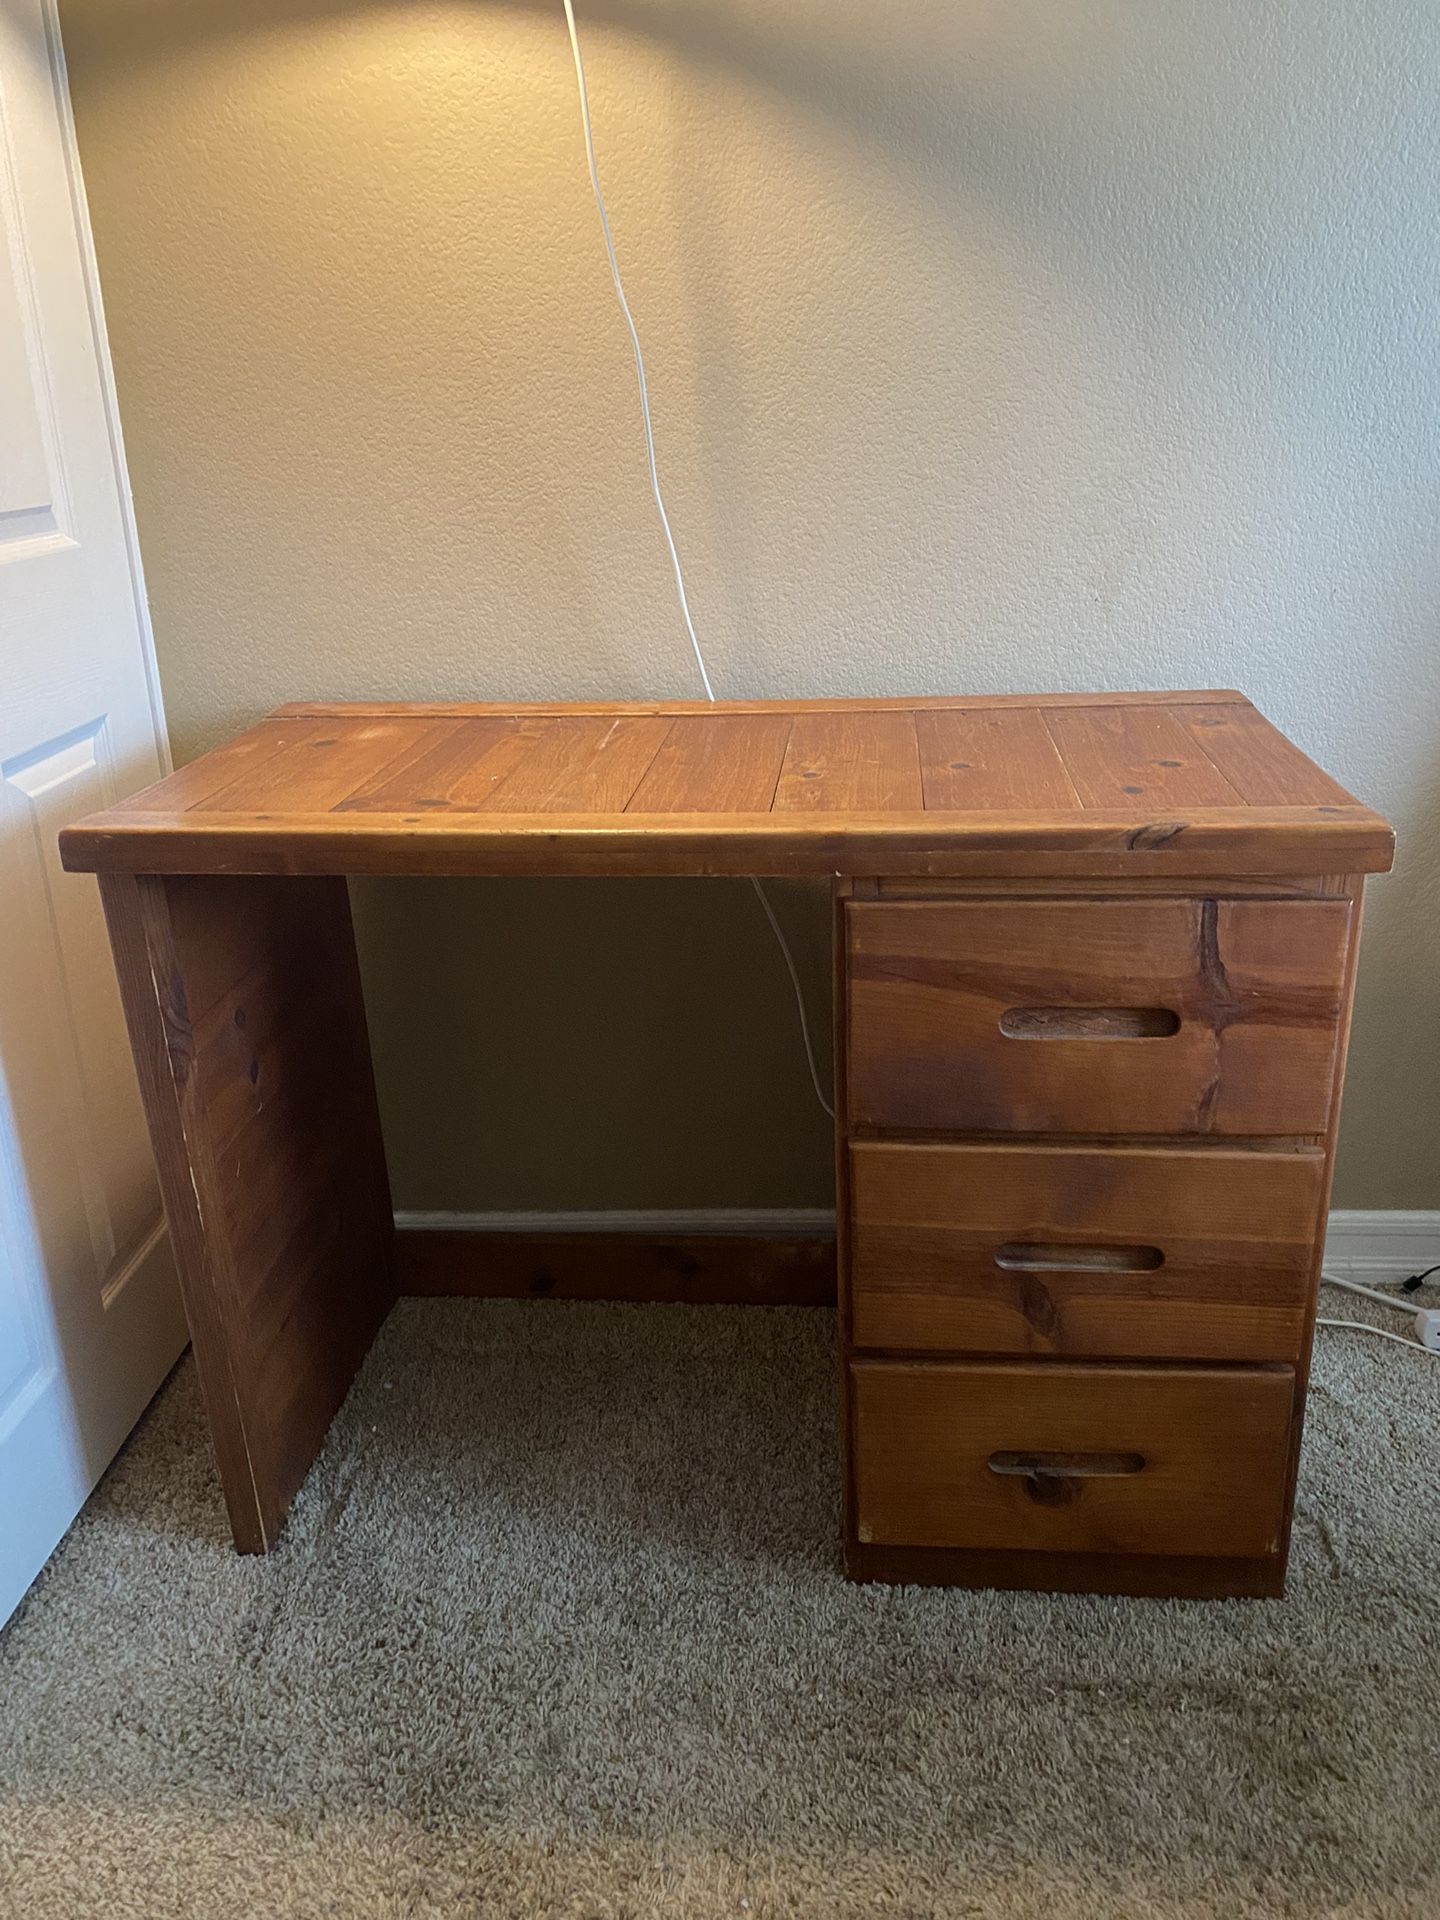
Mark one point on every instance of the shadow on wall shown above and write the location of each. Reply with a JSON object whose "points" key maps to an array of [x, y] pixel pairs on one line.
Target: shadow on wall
{"points": [[517, 1026], [1042, 109], [1395, 1034]]}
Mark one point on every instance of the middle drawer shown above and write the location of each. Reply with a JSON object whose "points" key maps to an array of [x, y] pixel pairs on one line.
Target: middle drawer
{"points": [[1107, 1252]]}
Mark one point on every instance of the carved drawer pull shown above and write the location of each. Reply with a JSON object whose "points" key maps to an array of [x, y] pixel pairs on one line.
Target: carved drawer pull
{"points": [[1056, 1479], [1067, 1466], [1088, 1023], [1034, 1256]]}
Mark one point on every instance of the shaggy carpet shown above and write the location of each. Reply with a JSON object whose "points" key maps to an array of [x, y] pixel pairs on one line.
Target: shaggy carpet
{"points": [[556, 1629]]}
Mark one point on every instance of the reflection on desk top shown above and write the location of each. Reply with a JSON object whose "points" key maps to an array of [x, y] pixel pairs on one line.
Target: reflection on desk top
{"points": [[1101, 786]]}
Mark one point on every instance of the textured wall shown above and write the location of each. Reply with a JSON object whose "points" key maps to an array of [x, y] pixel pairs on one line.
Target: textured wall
{"points": [[994, 344]]}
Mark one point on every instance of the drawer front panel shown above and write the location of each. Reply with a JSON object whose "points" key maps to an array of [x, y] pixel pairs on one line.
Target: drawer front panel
{"points": [[1181, 1461], [1105, 1252], [1135, 1016]]}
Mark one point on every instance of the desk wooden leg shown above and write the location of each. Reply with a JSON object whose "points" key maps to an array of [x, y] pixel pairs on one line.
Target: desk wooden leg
{"points": [[243, 999]]}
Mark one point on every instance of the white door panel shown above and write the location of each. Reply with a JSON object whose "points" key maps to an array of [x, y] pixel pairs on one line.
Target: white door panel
{"points": [[89, 1314]]}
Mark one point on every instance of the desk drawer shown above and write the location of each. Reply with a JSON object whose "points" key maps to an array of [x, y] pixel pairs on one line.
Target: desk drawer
{"points": [[1177, 1460], [1136, 1016], [1102, 1252]]}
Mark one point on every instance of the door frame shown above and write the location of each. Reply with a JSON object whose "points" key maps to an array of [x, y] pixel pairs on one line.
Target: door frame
{"points": [[104, 365]]}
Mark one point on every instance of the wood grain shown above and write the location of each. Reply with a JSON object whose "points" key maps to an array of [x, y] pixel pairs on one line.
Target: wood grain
{"points": [[842, 891], [245, 1013], [1257, 986], [318, 771], [1105, 787], [1139, 754], [581, 765], [1055, 886], [1264, 767], [909, 703], [716, 763], [1243, 842], [992, 760], [195, 784], [659, 1269], [1302, 1372], [1235, 1232], [851, 763], [461, 769], [1213, 1443]]}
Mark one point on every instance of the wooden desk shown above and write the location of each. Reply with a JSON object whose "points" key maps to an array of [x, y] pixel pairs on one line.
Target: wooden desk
{"points": [[1094, 964]]}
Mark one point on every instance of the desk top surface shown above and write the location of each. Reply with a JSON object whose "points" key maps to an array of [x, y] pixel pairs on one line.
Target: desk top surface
{"points": [[1107, 786]]}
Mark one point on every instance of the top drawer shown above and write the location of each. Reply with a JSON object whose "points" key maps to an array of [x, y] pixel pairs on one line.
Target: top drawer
{"points": [[1140, 1016]]}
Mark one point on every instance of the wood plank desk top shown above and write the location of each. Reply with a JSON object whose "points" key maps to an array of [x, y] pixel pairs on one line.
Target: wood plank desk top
{"points": [[1101, 786]]}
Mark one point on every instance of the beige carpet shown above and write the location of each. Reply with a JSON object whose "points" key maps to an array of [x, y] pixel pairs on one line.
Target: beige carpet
{"points": [[557, 1630]]}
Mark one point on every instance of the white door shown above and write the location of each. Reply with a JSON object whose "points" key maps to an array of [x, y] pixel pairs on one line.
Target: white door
{"points": [[89, 1315]]}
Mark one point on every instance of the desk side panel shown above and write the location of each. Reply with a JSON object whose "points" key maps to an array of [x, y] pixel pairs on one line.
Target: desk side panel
{"points": [[248, 1027]]}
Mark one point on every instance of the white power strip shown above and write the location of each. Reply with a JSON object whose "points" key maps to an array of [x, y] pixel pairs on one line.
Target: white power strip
{"points": [[1427, 1328]]}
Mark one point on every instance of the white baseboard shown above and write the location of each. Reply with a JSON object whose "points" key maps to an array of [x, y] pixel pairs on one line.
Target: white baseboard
{"points": [[761, 1222], [1362, 1243], [1372, 1244]]}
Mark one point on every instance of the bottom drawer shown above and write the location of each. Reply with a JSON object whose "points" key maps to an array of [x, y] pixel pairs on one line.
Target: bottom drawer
{"points": [[1172, 1460]]}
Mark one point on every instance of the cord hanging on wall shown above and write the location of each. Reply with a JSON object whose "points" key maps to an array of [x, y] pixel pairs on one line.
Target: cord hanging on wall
{"points": [[677, 570]]}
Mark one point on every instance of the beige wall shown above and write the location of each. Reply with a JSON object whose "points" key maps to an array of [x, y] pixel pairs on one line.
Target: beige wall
{"points": [[994, 344]]}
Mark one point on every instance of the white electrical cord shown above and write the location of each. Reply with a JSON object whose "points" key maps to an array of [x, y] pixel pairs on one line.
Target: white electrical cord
{"points": [[764, 900], [1382, 1333], [665, 518], [1406, 1306], [634, 343]]}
